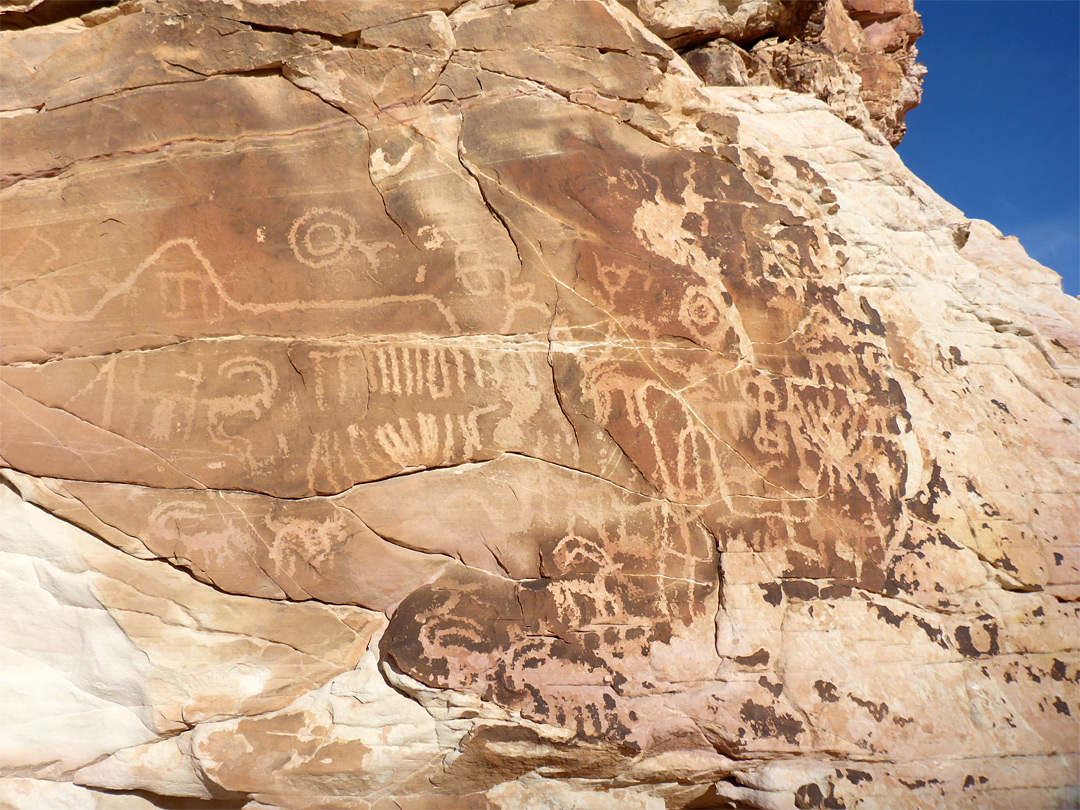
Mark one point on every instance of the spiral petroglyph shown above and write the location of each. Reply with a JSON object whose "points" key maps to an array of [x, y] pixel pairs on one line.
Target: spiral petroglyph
{"points": [[323, 237]]}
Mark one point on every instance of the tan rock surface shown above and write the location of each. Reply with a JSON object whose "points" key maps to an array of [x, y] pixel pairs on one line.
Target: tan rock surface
{"points": [[448, 404], [856, 55]]}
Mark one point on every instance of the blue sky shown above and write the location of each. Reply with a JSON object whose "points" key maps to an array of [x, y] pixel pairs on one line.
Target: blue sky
{"points": [[998, 130]]}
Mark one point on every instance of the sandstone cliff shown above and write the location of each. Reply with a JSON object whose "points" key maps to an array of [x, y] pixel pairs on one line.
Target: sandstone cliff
{"points": [[558, 404]]}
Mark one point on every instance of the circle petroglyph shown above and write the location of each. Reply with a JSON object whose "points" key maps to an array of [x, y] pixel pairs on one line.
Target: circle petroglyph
{"points": [[322, 237], [699, 310]]}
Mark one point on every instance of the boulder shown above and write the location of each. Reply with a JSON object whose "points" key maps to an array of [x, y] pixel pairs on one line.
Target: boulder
{"points": [[441, 404]]}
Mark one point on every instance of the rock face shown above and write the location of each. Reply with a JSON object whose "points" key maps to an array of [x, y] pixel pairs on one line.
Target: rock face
{"points": [[856, 55], [446, 404]]}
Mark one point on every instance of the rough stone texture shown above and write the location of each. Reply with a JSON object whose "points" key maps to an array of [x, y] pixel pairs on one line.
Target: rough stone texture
{"points": [[462, 405], [856, 55]]}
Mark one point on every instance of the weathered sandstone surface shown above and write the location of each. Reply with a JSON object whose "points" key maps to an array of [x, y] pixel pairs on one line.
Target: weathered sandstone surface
{"points": [[442, 404], [856, 55]]}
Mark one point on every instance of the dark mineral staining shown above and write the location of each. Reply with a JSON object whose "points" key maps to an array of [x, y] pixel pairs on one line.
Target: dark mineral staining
{"points": [[726, 126], [834, 591], [968, 648], [876, 326], [919, 783], [888, 616], [1008, 565], [876, 710], [810, 797], [775, 688], [800, 589], [805, 172], [694, 223], [773, 592], [1062, 707], [827, 691], [932, 633], [765, 722], [759, 658], [922, 505], [855, 777], [894, 619], [948, 542]]}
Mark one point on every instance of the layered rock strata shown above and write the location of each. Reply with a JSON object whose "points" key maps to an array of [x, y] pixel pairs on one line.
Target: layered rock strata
{"points": [[858, 56], [445, 404]]}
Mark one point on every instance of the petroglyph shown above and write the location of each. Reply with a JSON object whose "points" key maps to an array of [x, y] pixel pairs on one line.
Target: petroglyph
{"points": [[433, 371], [338, 375], [322, 237], [659, 429], [609, 588], [357, 410], [266, 547], [208, 285], [431, 440], [228, 417]]}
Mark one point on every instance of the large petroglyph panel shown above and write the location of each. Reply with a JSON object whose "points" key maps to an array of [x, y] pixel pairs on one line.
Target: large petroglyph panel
{"points": [[441, 404], [707, 331], [589, 579], [290, 417]]}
